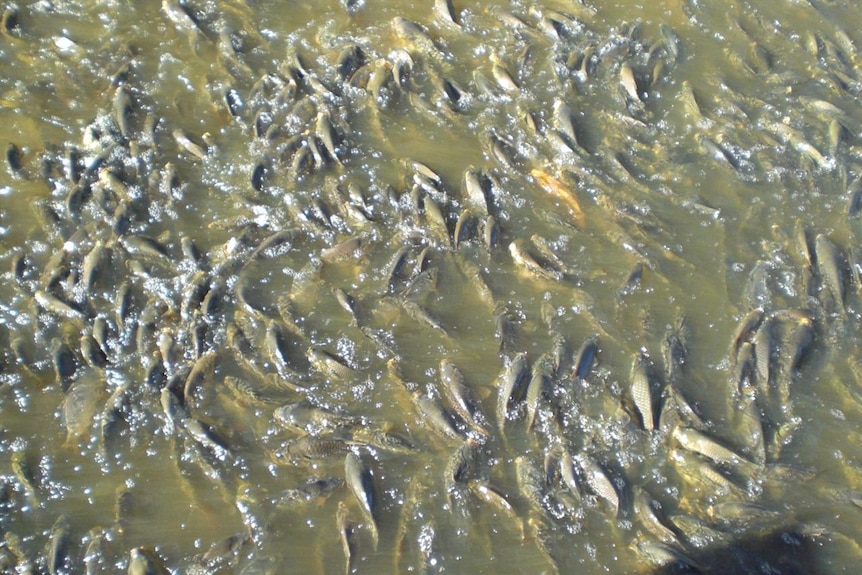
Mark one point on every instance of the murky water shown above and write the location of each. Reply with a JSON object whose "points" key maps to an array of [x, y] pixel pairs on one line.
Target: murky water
{"points": [[515, 178]]}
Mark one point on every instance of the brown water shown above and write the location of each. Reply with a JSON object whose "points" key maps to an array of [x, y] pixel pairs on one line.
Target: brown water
{"points": [[709, 198]]}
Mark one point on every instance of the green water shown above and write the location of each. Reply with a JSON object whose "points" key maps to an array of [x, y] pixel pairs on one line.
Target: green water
{"points": [[743, 131]]}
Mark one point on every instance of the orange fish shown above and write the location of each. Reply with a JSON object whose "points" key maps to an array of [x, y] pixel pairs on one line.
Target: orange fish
{"points": [[557, 189]]}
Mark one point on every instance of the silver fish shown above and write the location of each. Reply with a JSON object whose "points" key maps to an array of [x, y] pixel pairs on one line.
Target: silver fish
{"points": [[361, 482]]}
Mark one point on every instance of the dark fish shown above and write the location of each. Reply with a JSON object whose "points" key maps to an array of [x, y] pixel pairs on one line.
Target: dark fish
{"points": [[65, 363], [744, 329], [58, 546], [350, 59], [504, 328], [460, 467], [13, 158], [233, 101], [585, 358], [675, 349]]}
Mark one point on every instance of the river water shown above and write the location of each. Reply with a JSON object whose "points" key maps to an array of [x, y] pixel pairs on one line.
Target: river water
{"points": [[607, 192]]}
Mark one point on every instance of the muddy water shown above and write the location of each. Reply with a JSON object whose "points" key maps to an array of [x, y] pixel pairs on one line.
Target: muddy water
{"points": [[712, 171]]}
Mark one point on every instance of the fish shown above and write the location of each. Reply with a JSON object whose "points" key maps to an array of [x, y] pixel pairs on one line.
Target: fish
{"points": [[700, 442], [65, 363], [445, 12], [540, 379], [383, 440], [629, 83], [307, 418], [145, 247], [360, 480], [502, 76], [328, 135], [55, 305], [435, 416], [275, 339], [114, 412], [95, 554], [831, 269], [492, 496], [642, 391], [198, 376], [747, 326], [647, 510], [596, 478], [80, 404], [225, 552], [558, 190], [522, 257], [309, 491], [184, 142], [309, 448], [142, 561], [668, 556], [463, 228], [674, 347], [180, 16], [59, 540], [421, 315], [474, 192], [530, 483], [509, 387], [347, 303], [346, 533], [25, 475], [567, 471], [459, 469], [328, 364], [585, 358], [564, 123], [455, 391], [122, 104]]}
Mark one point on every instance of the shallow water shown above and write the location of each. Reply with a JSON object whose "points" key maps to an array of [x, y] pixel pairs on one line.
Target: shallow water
{"points": [[741, 134]]}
